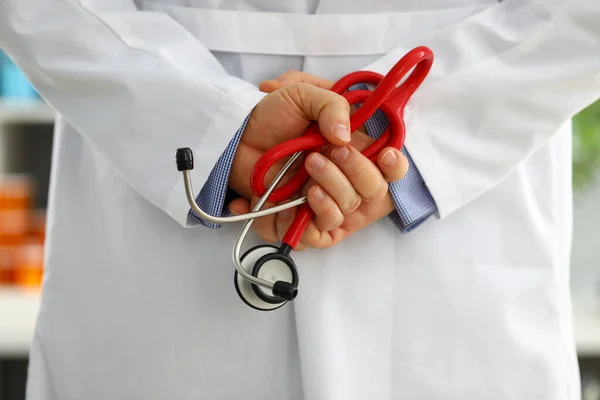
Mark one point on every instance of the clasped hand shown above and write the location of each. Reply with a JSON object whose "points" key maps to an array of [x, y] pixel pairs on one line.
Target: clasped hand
{"points": [[346, 191]]}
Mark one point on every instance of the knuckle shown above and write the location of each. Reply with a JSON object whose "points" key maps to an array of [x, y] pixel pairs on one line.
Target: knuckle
{"points": [[378, 194], [322, 225], [356, 168], [328, 215], [324, 242], [338, 221], [301, 85], [337, 100], [316, 241], [290, 94], [353, 164], [341, 100], [303, 91], [351, 206], [311, 239], [296, 88]]}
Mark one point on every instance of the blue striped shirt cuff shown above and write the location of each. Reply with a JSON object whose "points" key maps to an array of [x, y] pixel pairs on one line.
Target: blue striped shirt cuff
{"points": [[413, 201], [214, 192]]}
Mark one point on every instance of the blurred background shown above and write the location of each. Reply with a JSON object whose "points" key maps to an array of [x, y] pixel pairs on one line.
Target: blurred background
{"points": [[26, 130]]}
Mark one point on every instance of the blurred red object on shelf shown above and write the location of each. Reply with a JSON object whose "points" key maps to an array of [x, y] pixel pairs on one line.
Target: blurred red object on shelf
{"points": [[22, 233], [16, 191], [29, 268], [6, 265]]}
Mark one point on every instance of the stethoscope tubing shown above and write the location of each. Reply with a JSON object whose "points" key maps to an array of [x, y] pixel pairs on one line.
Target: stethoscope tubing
{"points": [[189, 192], [248, 217], [419, 58], [387, 95]]}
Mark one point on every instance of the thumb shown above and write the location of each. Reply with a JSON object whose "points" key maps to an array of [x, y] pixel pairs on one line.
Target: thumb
{"points": [[239, 206], [392, 164], [330, 109]]}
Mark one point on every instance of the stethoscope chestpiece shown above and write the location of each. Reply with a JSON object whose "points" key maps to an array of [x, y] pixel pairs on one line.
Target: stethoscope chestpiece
{"points": [[276, 267], [272, 264]]}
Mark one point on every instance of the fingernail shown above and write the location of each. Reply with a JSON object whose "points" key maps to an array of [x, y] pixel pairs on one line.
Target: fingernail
{"points": [[389, 158], [233, 212], [318, 194], [342, 131], [317, 161], [340, 153]]}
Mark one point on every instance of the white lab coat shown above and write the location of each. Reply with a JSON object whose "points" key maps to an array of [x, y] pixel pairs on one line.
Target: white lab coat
{"points": [[474, 304]]}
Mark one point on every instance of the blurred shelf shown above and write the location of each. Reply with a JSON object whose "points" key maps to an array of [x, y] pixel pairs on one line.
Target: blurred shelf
{"points": [[587, 333], [19, 308], [18, 312], [25, 112]]}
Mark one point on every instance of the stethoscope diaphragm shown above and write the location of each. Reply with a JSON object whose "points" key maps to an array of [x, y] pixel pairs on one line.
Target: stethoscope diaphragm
{"points": [[265, 262]]}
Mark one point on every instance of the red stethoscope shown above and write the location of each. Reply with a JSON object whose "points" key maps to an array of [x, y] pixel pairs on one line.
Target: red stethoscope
{"points": [[266, 277]]}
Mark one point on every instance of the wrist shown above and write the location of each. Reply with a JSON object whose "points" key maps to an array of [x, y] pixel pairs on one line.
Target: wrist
{"points": [[239, 179]]}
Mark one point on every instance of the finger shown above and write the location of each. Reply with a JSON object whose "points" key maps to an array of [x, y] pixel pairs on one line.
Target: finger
{"points": [[239, 206], [261, 225], [283, 221], [360, 140], [294, 76], [392, 164], [362, 128], [270, 85], [328, 216], [333, 181], [265, 226], [331, 110], [313, 237], [364, 176]]}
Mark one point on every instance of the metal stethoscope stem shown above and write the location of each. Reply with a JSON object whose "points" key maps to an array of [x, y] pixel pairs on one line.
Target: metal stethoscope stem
{"points": [[248, 217]]}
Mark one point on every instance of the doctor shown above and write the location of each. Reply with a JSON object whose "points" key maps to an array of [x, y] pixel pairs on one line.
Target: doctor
{"points": [[472, 304]]}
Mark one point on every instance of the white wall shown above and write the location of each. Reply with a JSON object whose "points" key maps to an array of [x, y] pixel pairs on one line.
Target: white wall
{"points": [[585, 259]]}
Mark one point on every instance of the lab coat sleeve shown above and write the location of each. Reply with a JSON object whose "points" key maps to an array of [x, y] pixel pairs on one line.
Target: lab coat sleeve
{"points": [[503, 82], [135, 84]]}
